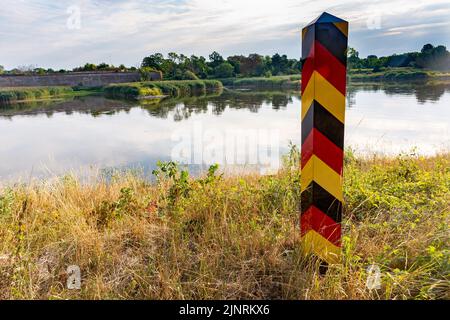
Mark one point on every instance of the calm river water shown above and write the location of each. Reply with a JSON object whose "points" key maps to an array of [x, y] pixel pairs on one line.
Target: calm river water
{"points": [[239, 129]]}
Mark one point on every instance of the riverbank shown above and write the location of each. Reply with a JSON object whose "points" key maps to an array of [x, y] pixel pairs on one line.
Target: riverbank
{"points": [[152, 90], [29, 94], [269, 83], [226, 237], [293, 82], [400, 75]]}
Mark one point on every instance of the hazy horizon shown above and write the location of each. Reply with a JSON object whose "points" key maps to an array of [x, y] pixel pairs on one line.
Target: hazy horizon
{"points": [[70, 33]]}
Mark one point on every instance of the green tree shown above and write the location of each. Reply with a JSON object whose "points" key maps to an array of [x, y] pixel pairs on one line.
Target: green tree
{"points": [[199, 66], [353, 60], [280, 64], [431, 57], [2, 69], [224, 70], [155, 61], [215, 60]]}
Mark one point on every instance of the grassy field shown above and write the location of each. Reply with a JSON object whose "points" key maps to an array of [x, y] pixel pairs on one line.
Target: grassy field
{"points": [[142, 90], [226, 237]]}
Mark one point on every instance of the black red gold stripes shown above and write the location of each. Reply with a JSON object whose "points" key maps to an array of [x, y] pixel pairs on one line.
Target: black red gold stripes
{"points": [[324, 49]]}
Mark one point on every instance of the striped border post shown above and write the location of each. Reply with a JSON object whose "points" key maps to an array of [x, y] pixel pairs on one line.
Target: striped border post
{"points": [[324, 57]]}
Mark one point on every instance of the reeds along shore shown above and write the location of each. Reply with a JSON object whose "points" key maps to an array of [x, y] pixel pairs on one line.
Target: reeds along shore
{"points": [[218, 237], [135, 90], [173, 89], [13, 95]]}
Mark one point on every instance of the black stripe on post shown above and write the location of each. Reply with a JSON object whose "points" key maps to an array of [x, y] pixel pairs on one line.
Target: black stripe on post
{"points": [[317, 196], [320, 118]]}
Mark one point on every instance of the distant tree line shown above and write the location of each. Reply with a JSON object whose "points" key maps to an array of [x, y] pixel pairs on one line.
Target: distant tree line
{"points": [[32, 69], [430, 57], [181, 67]]}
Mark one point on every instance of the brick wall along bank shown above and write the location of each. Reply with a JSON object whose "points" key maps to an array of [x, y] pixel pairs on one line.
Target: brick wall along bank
{"points": [[85, 79]]}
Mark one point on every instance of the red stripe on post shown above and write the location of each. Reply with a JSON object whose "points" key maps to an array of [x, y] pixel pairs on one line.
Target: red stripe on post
{"points": [[319, 145], [329, 67], [315, 219]]}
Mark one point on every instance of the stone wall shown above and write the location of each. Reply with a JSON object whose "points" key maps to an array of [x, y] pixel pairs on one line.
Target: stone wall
{"points": [[85, 79]]}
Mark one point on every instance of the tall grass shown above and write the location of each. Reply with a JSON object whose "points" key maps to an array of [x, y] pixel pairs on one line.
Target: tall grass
{"points": [[12, 95], [131, 91], [219, 237], [390, 74], [186, 87]]}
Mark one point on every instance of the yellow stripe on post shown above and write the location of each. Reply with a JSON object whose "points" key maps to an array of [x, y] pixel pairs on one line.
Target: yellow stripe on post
{"points": [[317, 170], [322, 91], [314, 243], [343, 27]]}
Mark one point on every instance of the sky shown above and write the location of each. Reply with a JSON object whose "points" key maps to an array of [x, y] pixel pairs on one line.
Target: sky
{"points": [[66, 34]]}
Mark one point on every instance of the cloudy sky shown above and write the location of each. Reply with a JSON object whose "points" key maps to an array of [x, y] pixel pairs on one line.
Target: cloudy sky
{"points": [[65, 34]]}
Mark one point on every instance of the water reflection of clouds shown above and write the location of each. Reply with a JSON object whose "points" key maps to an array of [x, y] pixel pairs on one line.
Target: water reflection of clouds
{"points": [[118, 134], [390, 123]]}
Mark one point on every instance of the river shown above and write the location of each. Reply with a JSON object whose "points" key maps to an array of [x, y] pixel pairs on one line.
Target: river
{"points": [[241, 130]]}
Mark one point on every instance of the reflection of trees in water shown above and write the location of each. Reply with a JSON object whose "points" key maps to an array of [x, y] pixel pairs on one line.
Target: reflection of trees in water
{"points": [[431, 93], [254, 100], [184, 108], [424, 92], [93, 105], [178, 108], [181, 108], [351, 97]]}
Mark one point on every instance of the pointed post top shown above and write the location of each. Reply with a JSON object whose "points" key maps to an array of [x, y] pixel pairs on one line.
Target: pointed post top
{"points": [[326, 18]]}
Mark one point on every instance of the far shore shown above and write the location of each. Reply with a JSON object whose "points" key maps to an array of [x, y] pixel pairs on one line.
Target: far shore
{"points": [[153, 90]]}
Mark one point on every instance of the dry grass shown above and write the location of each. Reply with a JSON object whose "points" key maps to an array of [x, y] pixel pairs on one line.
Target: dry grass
{"points": [[226, 238]]}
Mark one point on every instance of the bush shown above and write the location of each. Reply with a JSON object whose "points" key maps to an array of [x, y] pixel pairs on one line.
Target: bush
{"points": [[157, 88], [224, 70], [189, 75], [147, 73], [405, 75]]}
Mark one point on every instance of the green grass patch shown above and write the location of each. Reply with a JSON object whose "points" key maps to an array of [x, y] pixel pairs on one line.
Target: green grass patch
{"points": [[393, 74], [158, 88], [13, 95], [131, 91]]}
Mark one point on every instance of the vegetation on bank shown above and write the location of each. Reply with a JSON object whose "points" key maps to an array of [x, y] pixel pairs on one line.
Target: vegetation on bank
{"points": [[397, 75], [279, 82], [220, 237], [142, 90], [13, 95], [430, 57], [181, 67], [392, 74]]}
